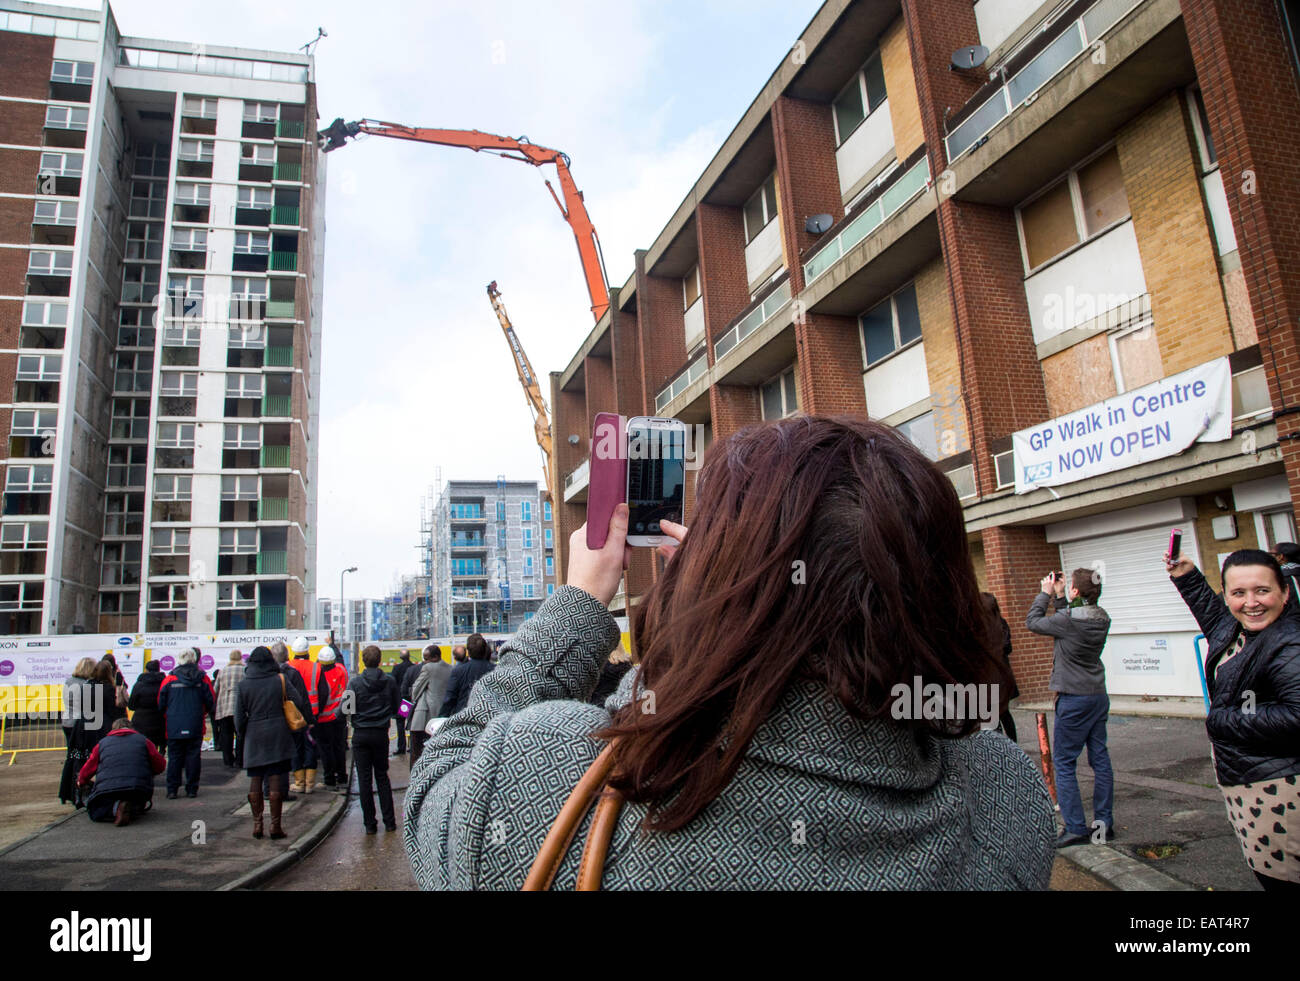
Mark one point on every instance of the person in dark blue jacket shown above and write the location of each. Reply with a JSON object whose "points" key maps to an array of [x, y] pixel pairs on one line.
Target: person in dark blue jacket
{"points": [[123, 765], [185, 698], [463, 676]]}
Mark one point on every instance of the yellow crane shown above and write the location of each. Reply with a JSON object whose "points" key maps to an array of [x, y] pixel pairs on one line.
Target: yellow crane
{"points": [[532, 391]]}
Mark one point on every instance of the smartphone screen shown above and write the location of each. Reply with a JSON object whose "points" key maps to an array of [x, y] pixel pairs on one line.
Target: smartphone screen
{"points": [[1175, 543], [656, 475]]}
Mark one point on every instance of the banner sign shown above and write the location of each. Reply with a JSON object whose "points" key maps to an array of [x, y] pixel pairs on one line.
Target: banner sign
{"points": [[50, 660], [1149, 423]]}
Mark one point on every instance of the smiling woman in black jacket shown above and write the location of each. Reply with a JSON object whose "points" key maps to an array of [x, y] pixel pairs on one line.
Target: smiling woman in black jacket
{"points": [[1253, 672]]}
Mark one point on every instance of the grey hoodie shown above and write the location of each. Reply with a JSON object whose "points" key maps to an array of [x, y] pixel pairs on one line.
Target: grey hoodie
{"points": [[1080, 634]]}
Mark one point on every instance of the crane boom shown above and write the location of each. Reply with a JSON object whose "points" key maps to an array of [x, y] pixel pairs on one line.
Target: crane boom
{"points": [[532, 391], [572, 207]]}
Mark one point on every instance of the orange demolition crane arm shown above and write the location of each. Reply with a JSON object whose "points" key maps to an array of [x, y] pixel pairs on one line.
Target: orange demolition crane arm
{"points": [[572, 207], [528, 379]]}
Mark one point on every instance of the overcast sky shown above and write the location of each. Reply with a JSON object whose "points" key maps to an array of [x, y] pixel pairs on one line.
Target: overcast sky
{"points": [[416, 374]]}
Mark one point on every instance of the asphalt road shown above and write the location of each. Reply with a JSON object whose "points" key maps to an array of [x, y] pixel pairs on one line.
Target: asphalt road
{"points": [[350, 859]]}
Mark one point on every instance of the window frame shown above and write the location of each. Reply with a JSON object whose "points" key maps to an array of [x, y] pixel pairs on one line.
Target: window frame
{"points": [[893, 313], [859, 79], [1076, 202], [767, 217], [1113, 338], [780, 377], [687, 302]]}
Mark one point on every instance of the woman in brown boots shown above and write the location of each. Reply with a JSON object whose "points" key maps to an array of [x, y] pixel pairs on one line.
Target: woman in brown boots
{"points": [[265, 735]]}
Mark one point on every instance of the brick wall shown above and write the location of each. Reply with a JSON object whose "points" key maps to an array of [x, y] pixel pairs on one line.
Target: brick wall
{"points": [[1249, 85], [807, 175], [18, 170], [600, 388], [22, 123], [13, 272], [570, 410], [934, 30], [733, 407], [724, 284], [1015, 560], [1206, 512], [11, 313], [625, 339], [829, 369], [25, 63], [900, 85], [661, 332], [1179, 261], [941, 361], [1001, 377]]}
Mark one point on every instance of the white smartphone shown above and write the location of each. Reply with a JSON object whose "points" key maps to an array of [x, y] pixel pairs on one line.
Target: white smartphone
{"points": [[656, 477]]}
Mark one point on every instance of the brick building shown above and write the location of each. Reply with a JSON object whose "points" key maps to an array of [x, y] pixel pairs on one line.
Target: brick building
{"points": [[160, 273], [1100, 214]]}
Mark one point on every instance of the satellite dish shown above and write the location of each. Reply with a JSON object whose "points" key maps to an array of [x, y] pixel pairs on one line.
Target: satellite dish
{"points": [[818, 224], [971, 56]]}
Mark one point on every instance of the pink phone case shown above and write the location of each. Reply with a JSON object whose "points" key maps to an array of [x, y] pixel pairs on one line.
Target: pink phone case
{"points": [[607, 475], [1175, 541]]}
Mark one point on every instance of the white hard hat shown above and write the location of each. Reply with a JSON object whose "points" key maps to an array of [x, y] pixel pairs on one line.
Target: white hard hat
{"points": [[326, 655], [299, 645]]}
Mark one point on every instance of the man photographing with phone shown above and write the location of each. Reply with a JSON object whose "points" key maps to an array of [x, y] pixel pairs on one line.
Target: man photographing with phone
{"points": [[1079, 627]]}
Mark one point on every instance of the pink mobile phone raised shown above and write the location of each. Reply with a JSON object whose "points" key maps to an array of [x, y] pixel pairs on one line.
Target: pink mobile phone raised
{"points": [[607, 475], [1175, 544]]}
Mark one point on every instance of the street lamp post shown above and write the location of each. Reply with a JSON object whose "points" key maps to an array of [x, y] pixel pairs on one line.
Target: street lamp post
{"points": [[343, 602]]}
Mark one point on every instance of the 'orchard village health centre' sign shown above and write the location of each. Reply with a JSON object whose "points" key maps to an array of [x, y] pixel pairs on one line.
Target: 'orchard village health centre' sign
{"points": [[1155, 421]]}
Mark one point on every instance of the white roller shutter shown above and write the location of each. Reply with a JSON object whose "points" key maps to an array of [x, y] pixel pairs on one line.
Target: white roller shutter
{"points": [[1135, 589]]}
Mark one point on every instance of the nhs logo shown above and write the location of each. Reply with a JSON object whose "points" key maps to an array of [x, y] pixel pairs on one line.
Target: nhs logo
{"points": [[1035, 472]]}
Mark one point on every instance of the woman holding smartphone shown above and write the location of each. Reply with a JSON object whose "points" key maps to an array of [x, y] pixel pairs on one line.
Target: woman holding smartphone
{"points": [[761, 742], [1253, 672]]}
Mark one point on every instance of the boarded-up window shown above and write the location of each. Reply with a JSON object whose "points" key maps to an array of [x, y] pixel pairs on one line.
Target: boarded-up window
{"points": [[1049, 225], [1101, 186]]}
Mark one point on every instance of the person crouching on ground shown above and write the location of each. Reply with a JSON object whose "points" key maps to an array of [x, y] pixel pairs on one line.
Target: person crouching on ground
{"points": [[756, 744], [1252, 667], [1080, 627], [265, 735], [123, 765], [374, 705]]}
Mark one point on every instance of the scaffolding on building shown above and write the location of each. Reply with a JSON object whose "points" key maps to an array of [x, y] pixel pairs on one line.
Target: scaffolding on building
{"points": [[503, 532]]}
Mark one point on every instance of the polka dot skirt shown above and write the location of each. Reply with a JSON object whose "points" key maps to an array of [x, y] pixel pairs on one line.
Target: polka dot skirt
{"points": [[1266, 816]]}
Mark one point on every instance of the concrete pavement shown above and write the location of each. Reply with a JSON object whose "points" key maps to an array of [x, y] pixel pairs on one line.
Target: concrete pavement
{"points": [[1173, 832], [201, 843], [1166, 804]]}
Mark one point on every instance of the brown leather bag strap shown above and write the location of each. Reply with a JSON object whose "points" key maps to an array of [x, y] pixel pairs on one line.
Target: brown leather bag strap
{"points": [[561, 835], [599, 835]]}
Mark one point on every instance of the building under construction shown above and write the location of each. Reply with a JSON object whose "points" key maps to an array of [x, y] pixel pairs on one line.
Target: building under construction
{"points": [[490, 554]]}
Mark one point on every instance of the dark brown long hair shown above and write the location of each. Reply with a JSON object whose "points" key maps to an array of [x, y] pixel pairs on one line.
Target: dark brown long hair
{"points": [[824, 548]]}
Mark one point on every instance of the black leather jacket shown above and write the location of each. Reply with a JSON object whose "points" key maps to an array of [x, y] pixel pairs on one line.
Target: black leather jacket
{"points": [[1254, 717]]}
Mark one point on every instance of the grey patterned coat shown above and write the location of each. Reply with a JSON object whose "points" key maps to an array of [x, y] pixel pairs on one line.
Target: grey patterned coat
{"points": [[822, 800]]}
